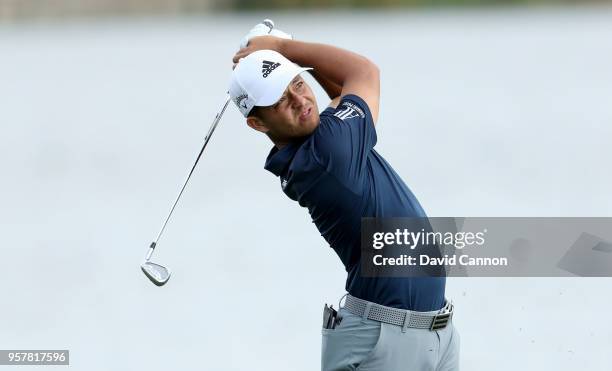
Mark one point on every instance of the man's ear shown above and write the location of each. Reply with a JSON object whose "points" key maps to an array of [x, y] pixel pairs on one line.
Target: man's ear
{"points": [[257, 124]]}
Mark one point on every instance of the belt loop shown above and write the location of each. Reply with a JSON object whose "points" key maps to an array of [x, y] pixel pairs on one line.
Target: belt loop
{"points": [[366, 312], [340, 301], [406, 321]]}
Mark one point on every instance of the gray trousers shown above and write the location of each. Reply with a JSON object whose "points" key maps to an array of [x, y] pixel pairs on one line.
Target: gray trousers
{"points": [[360, 344]]}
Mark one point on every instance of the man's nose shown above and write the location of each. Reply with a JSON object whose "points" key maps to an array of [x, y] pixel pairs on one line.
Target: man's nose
{"points": [[297, 99]]}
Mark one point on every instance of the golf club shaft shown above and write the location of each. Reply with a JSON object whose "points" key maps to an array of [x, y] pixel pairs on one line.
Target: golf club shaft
{"points": [[206, 139]]}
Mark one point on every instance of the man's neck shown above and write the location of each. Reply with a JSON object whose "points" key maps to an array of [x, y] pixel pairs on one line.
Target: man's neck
{"points": [[279, 143]]}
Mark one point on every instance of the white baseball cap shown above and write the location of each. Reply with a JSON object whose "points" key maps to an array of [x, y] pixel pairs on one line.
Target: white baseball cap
{"points": [[260, 79]]}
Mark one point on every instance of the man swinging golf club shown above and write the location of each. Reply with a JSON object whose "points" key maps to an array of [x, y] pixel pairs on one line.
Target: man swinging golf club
{"points": [[327, 163]]}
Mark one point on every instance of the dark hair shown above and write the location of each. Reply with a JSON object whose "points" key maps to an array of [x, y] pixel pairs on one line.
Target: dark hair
{"points": [[255, 112]]}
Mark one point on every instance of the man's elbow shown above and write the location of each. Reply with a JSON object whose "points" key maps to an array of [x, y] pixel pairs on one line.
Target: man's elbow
{"points": [[371, 71], [375, 68]]}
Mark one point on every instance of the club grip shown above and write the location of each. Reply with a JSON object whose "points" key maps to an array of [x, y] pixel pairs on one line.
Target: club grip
{"points": [[269, 23]]}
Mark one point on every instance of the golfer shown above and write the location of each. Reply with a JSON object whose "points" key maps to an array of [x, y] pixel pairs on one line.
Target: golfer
{"points": [[327, 163]]}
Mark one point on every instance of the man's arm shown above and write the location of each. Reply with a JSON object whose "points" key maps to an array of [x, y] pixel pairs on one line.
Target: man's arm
{"points": [[332, 89], [354, 73]]}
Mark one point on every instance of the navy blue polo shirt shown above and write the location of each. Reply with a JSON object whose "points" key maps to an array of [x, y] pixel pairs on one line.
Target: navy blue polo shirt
{"points": [[336, 173]]}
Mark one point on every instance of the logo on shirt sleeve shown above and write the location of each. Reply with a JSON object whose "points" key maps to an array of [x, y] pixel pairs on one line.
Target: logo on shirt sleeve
{"points": [[349, 110]]}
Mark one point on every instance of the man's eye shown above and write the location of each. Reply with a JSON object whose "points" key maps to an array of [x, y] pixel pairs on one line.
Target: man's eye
{"points": [[299, 84]]}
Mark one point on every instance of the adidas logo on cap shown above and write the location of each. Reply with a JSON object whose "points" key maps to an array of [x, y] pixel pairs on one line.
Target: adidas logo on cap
{"points": [[267, 68]]}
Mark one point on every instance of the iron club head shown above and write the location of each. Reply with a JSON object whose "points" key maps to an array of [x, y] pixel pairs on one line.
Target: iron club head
{"points": [[158, 274]]}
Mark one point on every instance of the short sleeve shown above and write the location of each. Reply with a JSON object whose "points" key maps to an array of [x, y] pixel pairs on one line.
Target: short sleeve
{"points": [[344, 139]]}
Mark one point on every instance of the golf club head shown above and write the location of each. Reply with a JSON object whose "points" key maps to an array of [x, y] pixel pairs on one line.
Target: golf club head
{"points": [[158, 274]]}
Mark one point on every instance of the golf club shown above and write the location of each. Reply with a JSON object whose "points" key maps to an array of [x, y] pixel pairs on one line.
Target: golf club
{"points": [[158, 274]]}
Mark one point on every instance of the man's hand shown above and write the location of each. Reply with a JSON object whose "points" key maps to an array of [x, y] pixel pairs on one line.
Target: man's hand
{"points": [[264, 28], [259, 43]]}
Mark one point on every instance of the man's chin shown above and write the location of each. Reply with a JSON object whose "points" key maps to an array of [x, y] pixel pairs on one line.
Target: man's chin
{"points": [[311, 126]]}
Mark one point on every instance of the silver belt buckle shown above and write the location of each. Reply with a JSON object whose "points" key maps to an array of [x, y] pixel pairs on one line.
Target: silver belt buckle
{"points": [[440, 320]]}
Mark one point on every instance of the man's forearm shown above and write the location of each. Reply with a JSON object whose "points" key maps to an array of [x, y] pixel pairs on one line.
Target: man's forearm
{"points": [[332, 89], [333, 64]]}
